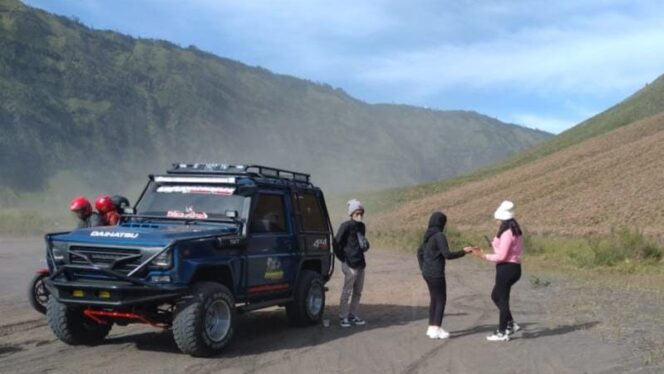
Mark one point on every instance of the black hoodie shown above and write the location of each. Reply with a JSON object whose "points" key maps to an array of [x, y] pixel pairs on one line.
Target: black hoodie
{"points": [[434, 249], [351, 239]]}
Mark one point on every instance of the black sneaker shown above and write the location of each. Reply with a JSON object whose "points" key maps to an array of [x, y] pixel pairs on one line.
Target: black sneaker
{"points": [[357, 321], [512, 328]]}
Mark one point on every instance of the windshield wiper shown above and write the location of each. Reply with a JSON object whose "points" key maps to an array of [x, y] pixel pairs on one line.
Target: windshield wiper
{"points": [[186, 219]]}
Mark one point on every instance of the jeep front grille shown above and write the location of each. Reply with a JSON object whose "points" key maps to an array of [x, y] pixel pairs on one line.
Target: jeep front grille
{"points": [[122, 260]]}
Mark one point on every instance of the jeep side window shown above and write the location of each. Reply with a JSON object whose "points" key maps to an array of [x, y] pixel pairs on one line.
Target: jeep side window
{"points": [[269, 214], [312, 215]]}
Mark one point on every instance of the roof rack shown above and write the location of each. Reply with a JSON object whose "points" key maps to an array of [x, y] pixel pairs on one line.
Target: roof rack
{"points": [[251, 170]]}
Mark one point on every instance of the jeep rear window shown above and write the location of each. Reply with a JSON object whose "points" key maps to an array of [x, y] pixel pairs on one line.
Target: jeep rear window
{"points": [[189, 201]]}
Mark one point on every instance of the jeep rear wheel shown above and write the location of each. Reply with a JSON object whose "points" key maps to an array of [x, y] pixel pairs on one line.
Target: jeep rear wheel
{"points": [[309, 303], [204, 321], [72, 327]]}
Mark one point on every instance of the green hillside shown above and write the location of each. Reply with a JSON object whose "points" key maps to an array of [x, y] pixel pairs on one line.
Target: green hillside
{"points": [[110, 108]]}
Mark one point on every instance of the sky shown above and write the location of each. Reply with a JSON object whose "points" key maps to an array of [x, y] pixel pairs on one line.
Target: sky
{"points": [[542, 64]]}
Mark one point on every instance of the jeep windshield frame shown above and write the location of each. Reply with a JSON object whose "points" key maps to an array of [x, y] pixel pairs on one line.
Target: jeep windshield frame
{"points": [[191, 201]]}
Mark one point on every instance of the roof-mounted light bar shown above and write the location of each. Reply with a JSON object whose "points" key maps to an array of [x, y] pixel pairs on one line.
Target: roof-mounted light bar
{"points": [[251, 170], [208, 167], [168, 179]]}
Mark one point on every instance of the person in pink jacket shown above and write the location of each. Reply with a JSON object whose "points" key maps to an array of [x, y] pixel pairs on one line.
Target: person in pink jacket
{"points": [[508, 249]]}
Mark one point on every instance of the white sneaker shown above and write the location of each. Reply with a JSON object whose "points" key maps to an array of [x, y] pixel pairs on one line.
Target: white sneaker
{"points": [[442, 334], [433, 331], [498, 337], [513, 328]]}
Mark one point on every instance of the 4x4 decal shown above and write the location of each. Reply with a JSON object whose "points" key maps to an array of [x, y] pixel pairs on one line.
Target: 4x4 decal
{"points": [[321, 244]]}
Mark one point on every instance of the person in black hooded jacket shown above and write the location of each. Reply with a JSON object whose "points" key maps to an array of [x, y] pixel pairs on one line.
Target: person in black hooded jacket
{"points": [[352, 244], [431, 256]]}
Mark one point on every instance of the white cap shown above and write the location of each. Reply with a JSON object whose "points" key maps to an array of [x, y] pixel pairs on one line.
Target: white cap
{"points": [[353, 205], [505, 211]]}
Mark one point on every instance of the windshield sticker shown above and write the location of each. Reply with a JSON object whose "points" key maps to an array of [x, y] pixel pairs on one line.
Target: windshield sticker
{"points": [[115, 234], [201, 190], [188, 213]]}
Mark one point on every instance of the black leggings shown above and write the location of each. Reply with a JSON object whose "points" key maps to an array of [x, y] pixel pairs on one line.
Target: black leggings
{"points": [[507, 274], [438, 295]]}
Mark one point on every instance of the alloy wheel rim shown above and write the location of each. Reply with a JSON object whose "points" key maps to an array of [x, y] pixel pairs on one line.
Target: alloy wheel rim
{"points": [[314, 300], [217, 320]]}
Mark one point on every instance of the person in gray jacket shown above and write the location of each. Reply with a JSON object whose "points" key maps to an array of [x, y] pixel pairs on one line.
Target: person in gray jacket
{"points": [[352, 243], [431, 256]]}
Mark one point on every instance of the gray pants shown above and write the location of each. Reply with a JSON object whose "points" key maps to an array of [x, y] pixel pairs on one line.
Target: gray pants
{"points": [[353, 283]]}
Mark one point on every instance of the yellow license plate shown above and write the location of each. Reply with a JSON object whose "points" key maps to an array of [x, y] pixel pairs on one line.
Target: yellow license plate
{"points": [[105, 294], [78, 293]]}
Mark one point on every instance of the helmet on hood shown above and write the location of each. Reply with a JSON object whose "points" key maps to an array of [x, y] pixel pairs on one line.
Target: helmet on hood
{"points": [[81, 204], [120, 202], [104, 204]]}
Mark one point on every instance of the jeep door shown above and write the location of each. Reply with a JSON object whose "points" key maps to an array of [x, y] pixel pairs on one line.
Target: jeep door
{"points": [[314, 228], [271, 247]]}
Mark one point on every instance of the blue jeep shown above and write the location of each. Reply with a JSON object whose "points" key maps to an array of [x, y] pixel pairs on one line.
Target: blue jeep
{"points": [[203, 243]]}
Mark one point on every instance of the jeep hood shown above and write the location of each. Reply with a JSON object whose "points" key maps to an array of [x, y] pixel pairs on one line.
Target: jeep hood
{"points": [[143, 234]]}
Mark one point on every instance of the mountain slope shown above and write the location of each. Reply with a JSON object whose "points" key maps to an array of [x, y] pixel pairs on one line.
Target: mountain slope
{"points": [[112, 108], [607, 181], [644, 103]]}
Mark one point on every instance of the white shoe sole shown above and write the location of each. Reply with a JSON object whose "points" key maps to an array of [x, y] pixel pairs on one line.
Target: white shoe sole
{"points": [[488, 338]]}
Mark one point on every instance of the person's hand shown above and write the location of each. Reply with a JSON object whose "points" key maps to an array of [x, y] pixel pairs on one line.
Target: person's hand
{"points": [[468, 249], [477, 251]]}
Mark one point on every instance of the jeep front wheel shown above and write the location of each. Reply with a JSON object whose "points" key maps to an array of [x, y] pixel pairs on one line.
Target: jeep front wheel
{"points": [[309, 303], [204, 321], [72, 327]]}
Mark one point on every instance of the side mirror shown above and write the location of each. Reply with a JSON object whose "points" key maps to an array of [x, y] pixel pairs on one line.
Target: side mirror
{"points": [[246, 190], [230, 242]]}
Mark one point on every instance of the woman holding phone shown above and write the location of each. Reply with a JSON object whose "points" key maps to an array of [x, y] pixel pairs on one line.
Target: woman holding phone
{"points": [[508, 249]]}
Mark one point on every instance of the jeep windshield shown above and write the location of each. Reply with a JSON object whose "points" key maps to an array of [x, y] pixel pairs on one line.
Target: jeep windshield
{"points": [[191, 202]]}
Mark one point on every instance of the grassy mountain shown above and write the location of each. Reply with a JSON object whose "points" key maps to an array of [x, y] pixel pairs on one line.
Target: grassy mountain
{"points": [[110, 108], [601, 175]]}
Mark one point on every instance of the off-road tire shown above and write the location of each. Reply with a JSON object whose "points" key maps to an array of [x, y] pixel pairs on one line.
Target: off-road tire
{"points": [[72, 327], [189, 322], [298, 311], [37, 292]]}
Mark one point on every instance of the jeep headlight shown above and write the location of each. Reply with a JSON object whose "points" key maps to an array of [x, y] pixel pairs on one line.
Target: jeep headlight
{"points": [[59, 251], [163, 261]]}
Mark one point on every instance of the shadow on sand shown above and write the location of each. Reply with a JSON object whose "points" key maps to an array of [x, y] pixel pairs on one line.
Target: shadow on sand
{"points": [[269, 330], [528, 330]]}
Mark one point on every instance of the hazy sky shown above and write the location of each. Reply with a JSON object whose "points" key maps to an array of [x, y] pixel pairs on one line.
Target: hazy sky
{"points": [[542, 64]]}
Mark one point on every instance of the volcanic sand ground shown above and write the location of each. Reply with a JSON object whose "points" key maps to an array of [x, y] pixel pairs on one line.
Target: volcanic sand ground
{"points": [[569, 327]]}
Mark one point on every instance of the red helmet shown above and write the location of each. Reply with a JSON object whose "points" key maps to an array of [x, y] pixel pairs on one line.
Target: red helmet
{"points": [[104, 204], [81, 204]]}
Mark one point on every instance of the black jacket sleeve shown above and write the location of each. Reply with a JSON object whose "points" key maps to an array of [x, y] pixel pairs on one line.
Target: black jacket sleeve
{"points": [[444, 248], [342, 235]]}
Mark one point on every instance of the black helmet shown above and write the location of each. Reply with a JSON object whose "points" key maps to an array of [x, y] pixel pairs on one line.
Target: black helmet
{"points": [[120, 202]]}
